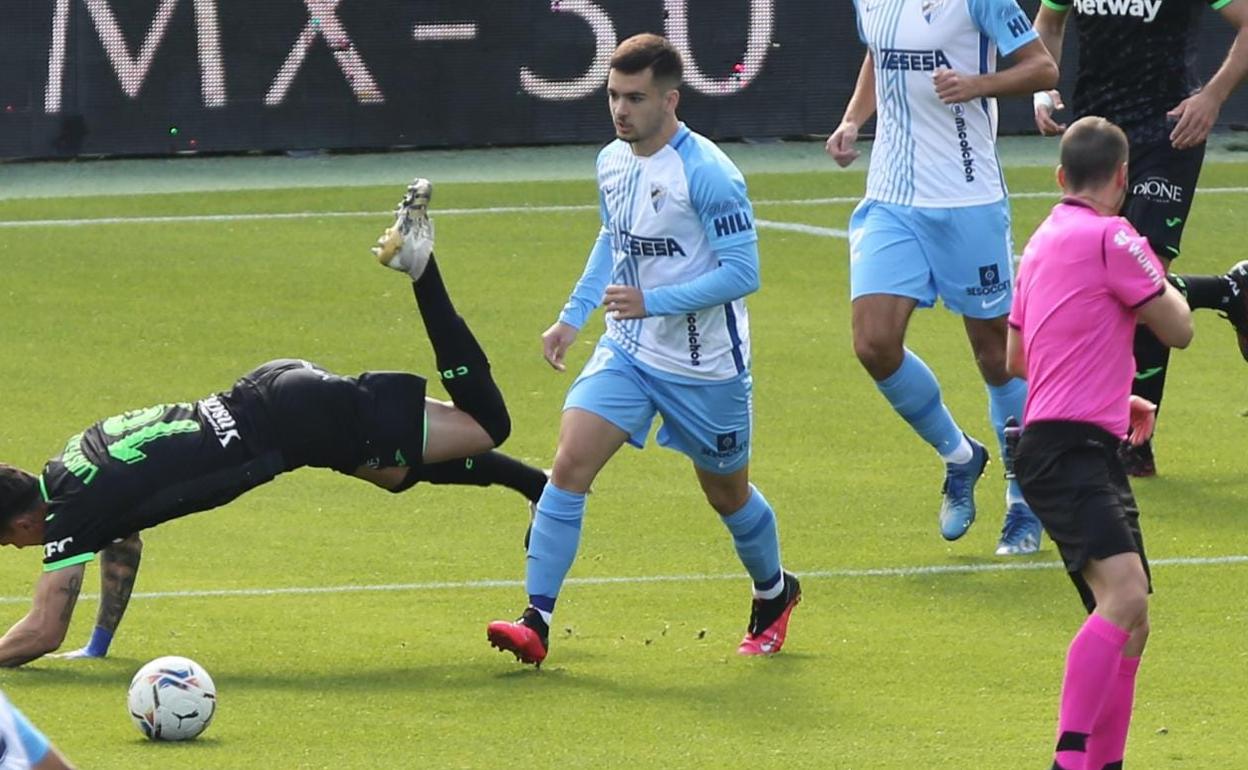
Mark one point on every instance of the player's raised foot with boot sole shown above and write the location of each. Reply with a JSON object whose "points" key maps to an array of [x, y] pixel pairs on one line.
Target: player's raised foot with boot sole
{"points": [[769, 620], [528, 638], [406, 245], [957, 510]]}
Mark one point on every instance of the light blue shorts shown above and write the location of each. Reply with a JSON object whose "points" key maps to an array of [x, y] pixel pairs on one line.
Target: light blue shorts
{"points": [[962, 255], [708, 422]]}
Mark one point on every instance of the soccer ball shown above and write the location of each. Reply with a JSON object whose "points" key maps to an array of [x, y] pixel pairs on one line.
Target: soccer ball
{"points": [[172, 699]]}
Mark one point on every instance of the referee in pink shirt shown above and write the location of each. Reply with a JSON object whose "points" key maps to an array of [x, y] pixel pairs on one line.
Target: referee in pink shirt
{"points": [[1086, 279]]}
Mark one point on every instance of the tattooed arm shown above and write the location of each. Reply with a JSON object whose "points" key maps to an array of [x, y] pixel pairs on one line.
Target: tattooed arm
{"points": [[119, 565], [43, 629]]}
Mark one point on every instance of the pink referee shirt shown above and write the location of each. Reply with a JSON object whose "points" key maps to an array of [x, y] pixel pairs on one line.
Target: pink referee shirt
{"points": [[1081, 280]]}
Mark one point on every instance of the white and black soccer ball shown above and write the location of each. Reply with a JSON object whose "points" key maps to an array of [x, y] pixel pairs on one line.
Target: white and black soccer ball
{"points": [[172, 699]]}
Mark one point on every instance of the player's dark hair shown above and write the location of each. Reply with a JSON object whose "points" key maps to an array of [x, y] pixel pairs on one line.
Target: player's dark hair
{"points": [[649, 51], [1093, 149], [18, 492]]}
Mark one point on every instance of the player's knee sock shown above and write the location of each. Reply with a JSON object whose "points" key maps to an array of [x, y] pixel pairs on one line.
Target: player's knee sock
{"points": [[552, 546], [915, 394], [754, 534], [482, 471], [1213, 292], [462, 365], [1005, 401], [1091, 668], [1108, 742], [1151, 362]]}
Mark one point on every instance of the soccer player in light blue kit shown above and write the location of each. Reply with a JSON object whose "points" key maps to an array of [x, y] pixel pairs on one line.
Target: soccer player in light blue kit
{"points": [[675, 258], [22, 746], [935, 221]]}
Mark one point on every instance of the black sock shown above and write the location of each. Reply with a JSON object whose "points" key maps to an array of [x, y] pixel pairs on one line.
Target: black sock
{"points": [[1152, 359], [484, 470], [1213, 292], [462, 365]]}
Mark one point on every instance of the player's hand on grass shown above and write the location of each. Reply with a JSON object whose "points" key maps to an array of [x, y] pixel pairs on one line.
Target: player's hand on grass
{"points": [[954, 87], [1046, 103], [1143, 420], [1195, 115], [624, 302], [841, 144], [555, 343], [82, 653]]}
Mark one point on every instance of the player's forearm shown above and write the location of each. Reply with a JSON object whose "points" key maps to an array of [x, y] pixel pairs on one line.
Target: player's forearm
{"points": [[1233, 70], [736, 276], [593, 282], [862, 104], [1034, 73], [119, 566]]}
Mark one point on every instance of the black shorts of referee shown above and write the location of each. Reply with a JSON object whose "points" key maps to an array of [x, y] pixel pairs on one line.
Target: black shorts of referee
{"points": [[1072, 478]]}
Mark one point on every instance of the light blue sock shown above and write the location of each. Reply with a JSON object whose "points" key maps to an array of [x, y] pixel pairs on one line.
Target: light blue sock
{"points": [[915, 394], [754, 534], [552, 545], [1006, 401]]}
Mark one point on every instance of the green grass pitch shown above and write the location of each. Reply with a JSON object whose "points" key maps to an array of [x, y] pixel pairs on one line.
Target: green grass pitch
{"points": [[945, 669]]}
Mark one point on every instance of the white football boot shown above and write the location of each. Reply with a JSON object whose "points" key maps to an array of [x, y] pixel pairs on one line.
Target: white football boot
{"points": [[406, 245]]}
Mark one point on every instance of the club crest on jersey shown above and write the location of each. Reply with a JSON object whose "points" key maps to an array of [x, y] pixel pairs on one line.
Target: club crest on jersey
{"points": [[932, 9], [658, 196]]}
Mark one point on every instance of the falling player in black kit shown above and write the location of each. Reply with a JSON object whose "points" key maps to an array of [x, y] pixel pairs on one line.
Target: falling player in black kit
{"points": [[1137, 68], [138, 469]]}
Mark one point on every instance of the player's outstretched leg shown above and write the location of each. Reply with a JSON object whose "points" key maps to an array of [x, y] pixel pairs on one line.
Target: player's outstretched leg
{"points": [[484, 470], [407, 246]]}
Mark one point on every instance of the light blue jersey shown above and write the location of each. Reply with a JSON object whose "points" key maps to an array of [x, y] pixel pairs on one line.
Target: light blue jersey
{"points": [[928, 153], [670, 221], [21, 745]]}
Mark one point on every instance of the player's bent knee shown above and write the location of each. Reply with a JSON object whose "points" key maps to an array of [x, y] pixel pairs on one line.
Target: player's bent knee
{"points": [[727, 497], [1126, 608], [569, 475], [726, 505], [878, 357], [494, 419], [497, 424]]}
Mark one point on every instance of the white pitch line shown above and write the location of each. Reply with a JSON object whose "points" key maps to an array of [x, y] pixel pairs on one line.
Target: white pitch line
{"points": [[797, 227], [181, 218], [934, 570], [1053, 194], [452, 30], [174, 219]]}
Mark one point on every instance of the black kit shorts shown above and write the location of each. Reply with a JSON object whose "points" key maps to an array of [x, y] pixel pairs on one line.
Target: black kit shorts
{"points": [[1072, 478], [324, 420], [1160, 189]]}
